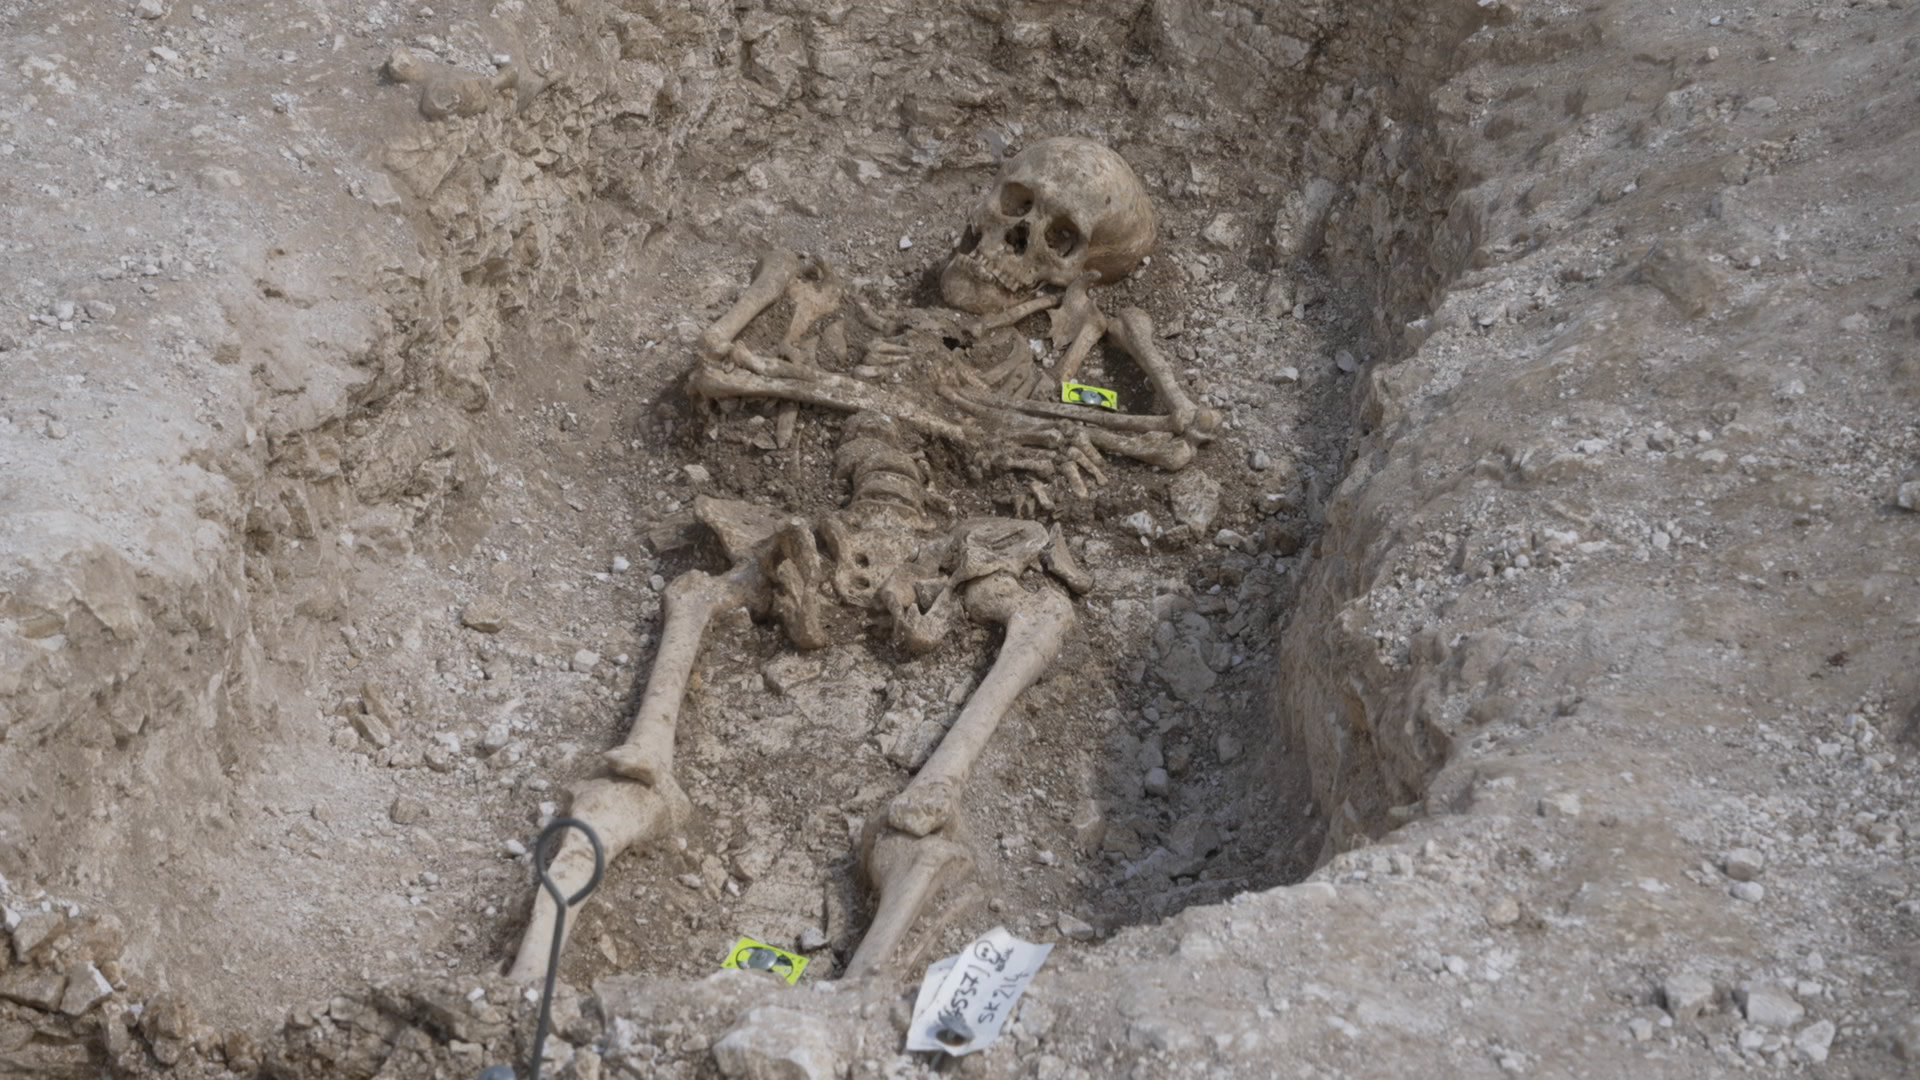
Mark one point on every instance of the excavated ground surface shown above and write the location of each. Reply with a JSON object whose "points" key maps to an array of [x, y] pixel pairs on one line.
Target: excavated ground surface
{"points": [[1565, 630]]}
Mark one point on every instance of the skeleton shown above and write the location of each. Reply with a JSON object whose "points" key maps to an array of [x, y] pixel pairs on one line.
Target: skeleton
{"points": [[1065, 214]]}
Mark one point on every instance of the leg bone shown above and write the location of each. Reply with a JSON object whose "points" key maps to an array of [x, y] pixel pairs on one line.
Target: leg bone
{"points": [[623, 813], [1037, 625], [776, 271]]}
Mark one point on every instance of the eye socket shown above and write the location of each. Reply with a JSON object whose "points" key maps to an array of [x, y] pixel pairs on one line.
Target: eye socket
{"points": [[1015, 199], [1062, 238]]}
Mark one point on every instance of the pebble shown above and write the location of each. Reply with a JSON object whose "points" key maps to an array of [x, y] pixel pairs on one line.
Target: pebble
{"points": [[1814, 1041], [1908, 497], [372, 729], [691, 881], [1227, 538], [585, 660], [1345, 362], [772, 1042], [1140, 523], [514, 848], [1686, 995], [698, 476], [1287, 374], [620, 565], [812, 939], [1227, 749], [150, 9], [1744, 864], [1503, 911], [1564, 804], [1640, 1028], [487, 615], [1259, 461], [1769, 1006], [1074, 929], [407, 810], [1854, 324], [1750, 891], [1157, 782]]}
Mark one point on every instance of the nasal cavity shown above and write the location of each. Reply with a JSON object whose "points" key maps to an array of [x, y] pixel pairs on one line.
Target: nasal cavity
{"points": [[1017, 238]]}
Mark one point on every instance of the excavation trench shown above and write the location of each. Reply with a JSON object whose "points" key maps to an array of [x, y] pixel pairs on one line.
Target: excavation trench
{"points": [[513, 485]]}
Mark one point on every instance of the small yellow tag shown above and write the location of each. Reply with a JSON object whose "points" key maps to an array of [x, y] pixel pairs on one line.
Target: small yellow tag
{"points": [[751, 955], [1074, 393]]}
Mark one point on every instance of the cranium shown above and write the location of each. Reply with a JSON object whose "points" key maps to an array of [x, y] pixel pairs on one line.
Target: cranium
{"points": [[1060, 209]]}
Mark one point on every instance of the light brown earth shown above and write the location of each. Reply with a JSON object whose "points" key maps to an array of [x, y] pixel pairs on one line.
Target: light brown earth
{"points": [[1576, 349]]}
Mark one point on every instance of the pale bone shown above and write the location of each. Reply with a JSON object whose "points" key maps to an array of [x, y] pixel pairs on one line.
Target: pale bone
{"points": [[910, 858], [771, 276], [1133, 331], [1059, 209], [690, 603], [640, 801], [448, 91], [623, 813], [827, 390], [1078, 326]]}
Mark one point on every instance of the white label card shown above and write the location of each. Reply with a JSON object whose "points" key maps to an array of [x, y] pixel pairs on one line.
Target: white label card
{"points": [[965, 1000]]}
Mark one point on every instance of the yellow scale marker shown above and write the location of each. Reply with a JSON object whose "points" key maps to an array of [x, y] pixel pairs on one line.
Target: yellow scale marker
{"points": [[751, 955], [1074, 393]]}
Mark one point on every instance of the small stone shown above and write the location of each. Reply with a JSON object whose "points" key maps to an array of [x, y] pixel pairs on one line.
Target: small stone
{"points": [[1227, 749], [1744, 864], [1908, 497], [1196, 499], [1231, 540], [34, 987], [1563, 804], [698, 476], [487, 615], [1157, 782], [86, 987], [1259, 461], [691, 881], [585, 660], [1074, 929], [513, 848], [1751, 892], [1140, 523], [906, 243], [1906, 1038], [620, 565], [496, 737], [407, 810], [100, 310], [346, 739], [150, 9], [771, 1043], [1344, 360], [439, 757], [1769, 1006], [1814, 1041], [1288, 374], [372, 729], [1503, 911], [1640, 1028], [1686, 995], [35, 929], [812, 939]]}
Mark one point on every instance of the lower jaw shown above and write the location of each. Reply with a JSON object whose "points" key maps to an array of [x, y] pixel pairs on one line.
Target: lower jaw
{"points": [[964, 285]]}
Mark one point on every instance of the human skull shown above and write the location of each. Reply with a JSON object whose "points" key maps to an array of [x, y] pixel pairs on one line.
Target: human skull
{"points": [[1059, 209]]}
